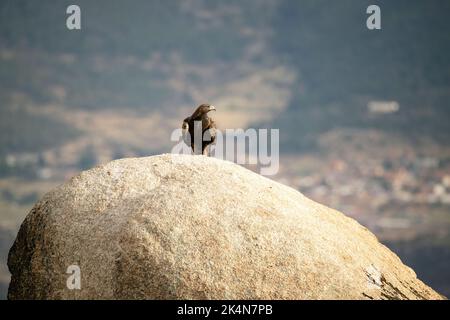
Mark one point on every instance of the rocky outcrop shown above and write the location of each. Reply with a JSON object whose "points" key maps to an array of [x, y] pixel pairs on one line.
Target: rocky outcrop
{"points": [[193, 227]]}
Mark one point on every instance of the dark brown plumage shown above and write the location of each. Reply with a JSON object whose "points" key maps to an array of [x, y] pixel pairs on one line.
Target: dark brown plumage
{"points": [[207, 126]]}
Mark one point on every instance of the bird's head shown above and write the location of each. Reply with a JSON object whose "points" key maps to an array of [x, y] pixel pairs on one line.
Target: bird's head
{"points": [[203, 109]]}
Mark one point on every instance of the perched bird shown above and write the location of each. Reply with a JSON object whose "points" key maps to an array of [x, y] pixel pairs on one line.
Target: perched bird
{"points": [[192, 125]]}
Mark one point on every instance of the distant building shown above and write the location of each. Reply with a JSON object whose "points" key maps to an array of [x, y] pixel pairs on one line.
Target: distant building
{"points": [[383, 107]]}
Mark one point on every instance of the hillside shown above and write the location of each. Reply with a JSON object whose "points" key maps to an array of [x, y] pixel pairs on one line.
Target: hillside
{"points": [[163, 56]]}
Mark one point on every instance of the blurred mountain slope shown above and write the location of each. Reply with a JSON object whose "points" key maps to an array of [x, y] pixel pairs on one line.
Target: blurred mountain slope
{"points": [[342, 66]]}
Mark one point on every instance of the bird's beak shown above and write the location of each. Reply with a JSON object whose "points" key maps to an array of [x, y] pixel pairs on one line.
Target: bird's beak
{"points": [[212, 108]]}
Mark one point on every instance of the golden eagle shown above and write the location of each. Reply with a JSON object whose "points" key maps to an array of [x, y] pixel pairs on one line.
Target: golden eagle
{"points": [[199, 122]]}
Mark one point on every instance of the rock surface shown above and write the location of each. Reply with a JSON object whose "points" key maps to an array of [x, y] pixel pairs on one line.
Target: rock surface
{"points": [[193, 227]]}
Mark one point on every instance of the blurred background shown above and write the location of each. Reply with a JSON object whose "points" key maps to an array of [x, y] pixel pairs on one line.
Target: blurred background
{"points": [[363, 115]]}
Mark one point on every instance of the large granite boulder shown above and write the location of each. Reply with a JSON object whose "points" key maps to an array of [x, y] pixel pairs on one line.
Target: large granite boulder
{"points": [[193, 227]]}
